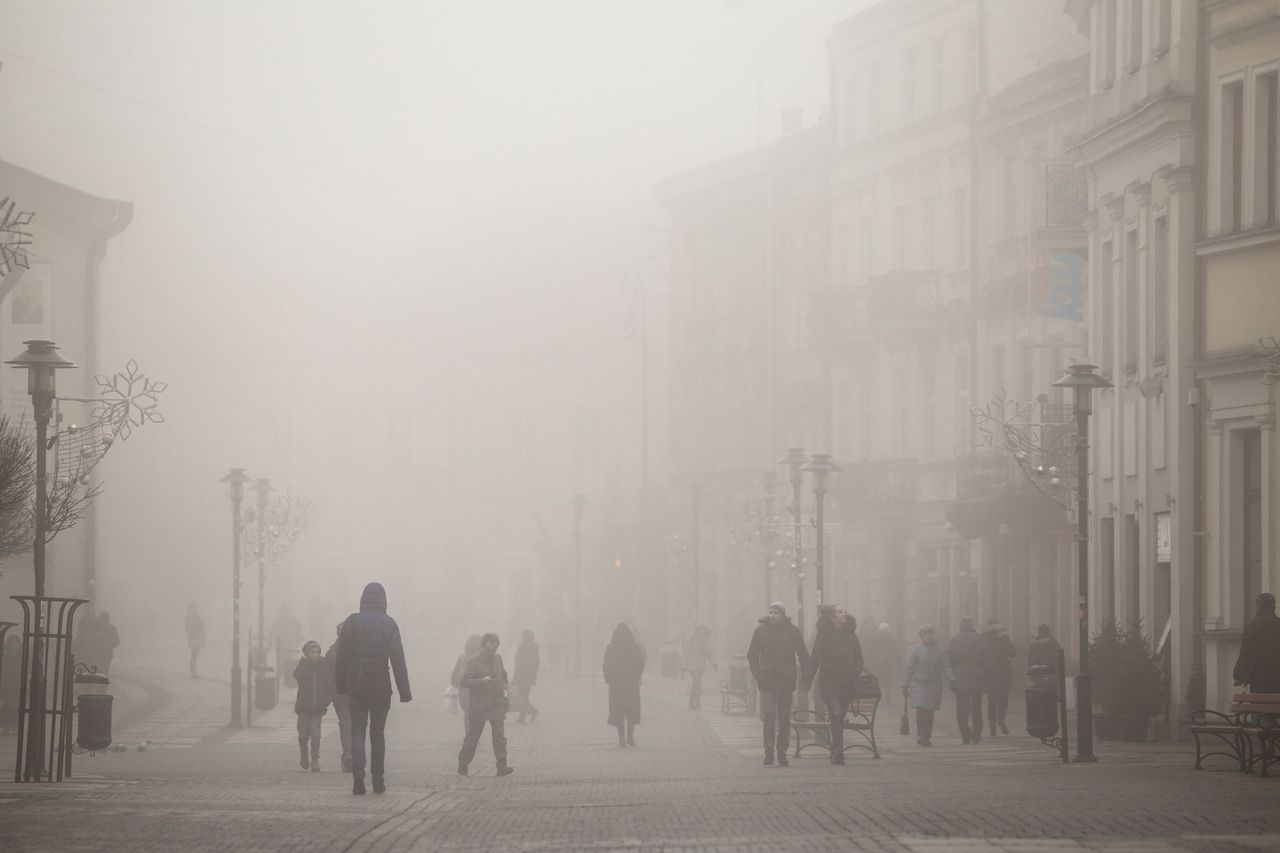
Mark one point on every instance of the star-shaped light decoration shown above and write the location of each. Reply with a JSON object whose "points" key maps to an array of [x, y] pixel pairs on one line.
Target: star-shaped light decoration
{"points": [[14, 238], [128, 400], [1271, 349]]}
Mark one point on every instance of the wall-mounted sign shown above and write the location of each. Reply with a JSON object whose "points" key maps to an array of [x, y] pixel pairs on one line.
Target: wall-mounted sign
{"points": [[1164, 538]]}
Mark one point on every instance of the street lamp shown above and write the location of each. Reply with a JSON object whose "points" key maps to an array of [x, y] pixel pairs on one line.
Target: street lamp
{"points": [[263, 488], [770, 483], [796, 459], [236, 479], [820, 465], [579, 506], [1082, 380]]}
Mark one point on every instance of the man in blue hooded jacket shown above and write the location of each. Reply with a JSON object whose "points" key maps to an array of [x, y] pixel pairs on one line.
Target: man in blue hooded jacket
{"points": [[368, 642]]}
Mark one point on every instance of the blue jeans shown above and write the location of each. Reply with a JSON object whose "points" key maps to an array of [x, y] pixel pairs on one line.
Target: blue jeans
{"points": [[371, 715]]}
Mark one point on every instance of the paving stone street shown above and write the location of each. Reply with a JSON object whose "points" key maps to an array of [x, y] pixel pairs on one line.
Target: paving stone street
{"points": [[694, 782]]}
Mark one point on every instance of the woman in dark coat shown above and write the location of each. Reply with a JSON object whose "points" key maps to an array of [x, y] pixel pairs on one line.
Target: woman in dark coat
{"points": [[836, 660], [623, 666], [1000, 652]]}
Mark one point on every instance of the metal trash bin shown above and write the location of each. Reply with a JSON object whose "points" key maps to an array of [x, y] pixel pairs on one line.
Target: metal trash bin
{"points": [[265, 688], [93, 704], [1042, 701]]}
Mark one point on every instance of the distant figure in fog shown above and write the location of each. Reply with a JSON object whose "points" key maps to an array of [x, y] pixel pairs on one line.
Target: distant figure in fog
{"points": [[86, 641], [528, 661], [623, 668], [1258, 664], [777, 655], [697, 657], [1000, 654], [315, 691], [10, 682], [98, 640], [486, 678], [836, 661], [470, 650], [1044, 649], [195, 635], [922, 682], [368, 642], [341, 704], [883, 657], [967, 664]]}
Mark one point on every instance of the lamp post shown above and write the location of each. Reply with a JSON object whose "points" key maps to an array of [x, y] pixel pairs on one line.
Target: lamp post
{"points": [[579, 506], [795, 458], [263, 488], [1082, 380], [236, 479], [770, 482], [820, 465], [695, 542], [41, 360]]}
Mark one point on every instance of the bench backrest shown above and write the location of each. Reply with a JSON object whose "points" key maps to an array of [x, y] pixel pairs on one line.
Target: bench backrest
{"points": [[863, 706], [1255, 703]]}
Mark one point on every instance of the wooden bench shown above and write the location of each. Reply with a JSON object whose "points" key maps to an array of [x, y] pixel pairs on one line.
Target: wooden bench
{"points": [[738, 691], [1254, 717], [861, 718]]}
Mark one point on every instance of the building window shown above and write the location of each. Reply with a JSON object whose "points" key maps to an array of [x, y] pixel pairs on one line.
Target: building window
{"points": [[1009, 200], [938, 90], [850, 109], [1105, 311], [1160, 287], [1265, 138], [909, 86], [1107, 556], [1131, 285], [1163, 12], [1133, 59], [26, 308], [1110, 41], [1231, 171], [1251, 507], [960, 222]]}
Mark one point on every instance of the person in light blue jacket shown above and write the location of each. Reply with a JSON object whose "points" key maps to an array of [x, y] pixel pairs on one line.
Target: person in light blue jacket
{"points": [[927, 670]]}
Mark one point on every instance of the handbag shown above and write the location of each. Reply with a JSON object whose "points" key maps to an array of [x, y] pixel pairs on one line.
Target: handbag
{"points": [[451, 700], [866, 686]]}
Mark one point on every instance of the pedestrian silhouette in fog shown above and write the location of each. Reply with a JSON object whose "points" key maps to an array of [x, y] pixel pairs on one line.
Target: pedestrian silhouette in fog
{"points": [[195, 635], [623, 667], [836, 662], [1044, 649], [922, 682], [967, 663], [368, 642], [528, 662], [1258, 664], [777, 655], [697, 657], [469, 650], [1000, 653], [486, 678]]}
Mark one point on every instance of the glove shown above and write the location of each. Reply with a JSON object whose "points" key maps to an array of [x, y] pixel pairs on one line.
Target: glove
{"points": [[406, 697]]}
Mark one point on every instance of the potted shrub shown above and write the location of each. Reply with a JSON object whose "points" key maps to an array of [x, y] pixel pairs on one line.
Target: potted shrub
{"points": [[1128, 681]]}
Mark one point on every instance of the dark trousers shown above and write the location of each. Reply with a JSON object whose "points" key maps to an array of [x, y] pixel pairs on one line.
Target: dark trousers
{"points": [[775, 709], [526, 706], [836, 710], [371, 715], [924, 723], [997, 707], [695, 690], [342, 707], [309, 733], [475, 728], [969, 708]]}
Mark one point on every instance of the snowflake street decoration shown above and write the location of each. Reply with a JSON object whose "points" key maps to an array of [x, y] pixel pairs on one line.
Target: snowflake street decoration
{"points": [[286, 519], [1044, 452], [1271, 349], [14, 238], [128, 400]]}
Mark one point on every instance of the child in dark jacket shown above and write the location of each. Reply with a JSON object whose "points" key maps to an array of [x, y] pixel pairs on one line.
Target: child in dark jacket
{"points": [[315, 692]]}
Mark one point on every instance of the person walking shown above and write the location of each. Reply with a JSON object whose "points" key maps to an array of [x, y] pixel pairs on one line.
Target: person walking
{"points": [[195, 635], [1044, 649], [922, 682], [469, 650], [776, 656], [999, 674], [368, 642], [315, 691], [486, 678], [528, 661], [624, 661], [836, 661], [966, 664], [1258, 664], [341, 704], [107, 639], [697, 657]]}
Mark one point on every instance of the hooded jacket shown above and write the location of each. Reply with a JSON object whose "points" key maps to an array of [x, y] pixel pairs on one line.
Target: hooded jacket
{"points": [[836, 659], [967, 660], [368, 642], [315, 684], [777, 655]]}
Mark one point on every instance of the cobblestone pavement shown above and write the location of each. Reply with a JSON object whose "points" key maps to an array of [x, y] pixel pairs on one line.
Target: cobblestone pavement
{"points": [[695, 782]]}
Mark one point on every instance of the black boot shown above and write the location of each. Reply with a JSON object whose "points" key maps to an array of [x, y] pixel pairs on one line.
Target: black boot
{"points": [[357, 786], [303, 760], [768, 758], [622, 736], [631, 734], [379, 786]]}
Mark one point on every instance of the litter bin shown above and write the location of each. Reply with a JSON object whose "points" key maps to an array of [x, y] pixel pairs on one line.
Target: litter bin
{"points": [[264, 688], [1042, 701], [93, 704]]}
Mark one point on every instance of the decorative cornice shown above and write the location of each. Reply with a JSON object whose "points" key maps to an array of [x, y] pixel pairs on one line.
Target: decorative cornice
{"points": [[1176, 179], [1141, 192]]}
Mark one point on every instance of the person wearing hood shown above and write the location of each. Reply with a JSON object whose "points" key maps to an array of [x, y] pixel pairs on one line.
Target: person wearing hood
{"points": [[315, 691], [624, 662], [469, 650], [341, 704], [922, 682], [1044, 649], [1000, 653], [486, 678], [369, 642], [776, 656], [967, 663], [1258, 664], [836, 661]]}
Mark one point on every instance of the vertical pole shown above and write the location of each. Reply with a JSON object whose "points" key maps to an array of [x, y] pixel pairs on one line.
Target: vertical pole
{"points": [[1062, 706], [766, 536], [264, 487], [36, 688], [797, 533], [236, 530], [1084, 681], [819, 497], [696, 506], [579, 502], [248, 684]]}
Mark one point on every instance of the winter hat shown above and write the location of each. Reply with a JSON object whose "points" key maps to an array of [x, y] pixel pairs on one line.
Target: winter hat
{"points": [[309, 644], [1266, 600], [778, 606], [1042, 631], [374, 597]]}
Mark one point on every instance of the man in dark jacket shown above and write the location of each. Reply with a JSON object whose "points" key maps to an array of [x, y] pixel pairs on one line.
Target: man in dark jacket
{"points": [[526, 675], [777, 656], [367, 642], [1258, 665], [486, 678], [837, 663], [967, 659]]}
